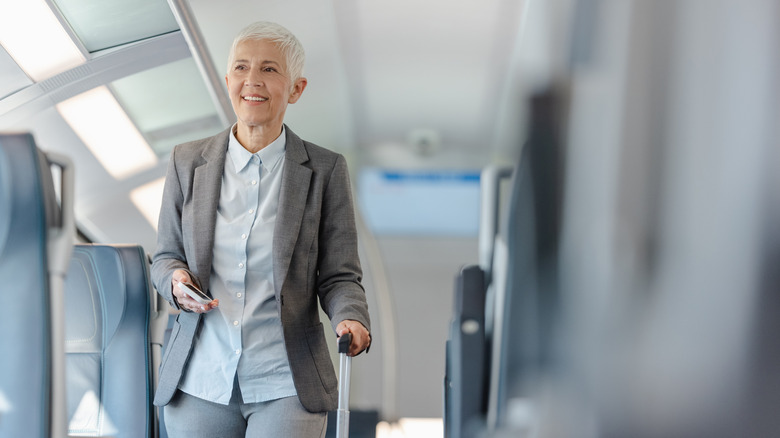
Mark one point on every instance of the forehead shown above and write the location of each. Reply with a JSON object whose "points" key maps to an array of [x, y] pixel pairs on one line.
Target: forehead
{"points": [[259, 50]]}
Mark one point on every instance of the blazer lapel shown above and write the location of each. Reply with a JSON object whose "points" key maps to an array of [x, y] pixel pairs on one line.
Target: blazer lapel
{"points": [[206, 186], [292, 203]]}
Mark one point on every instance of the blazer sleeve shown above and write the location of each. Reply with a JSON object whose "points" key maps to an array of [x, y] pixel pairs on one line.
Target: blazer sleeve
{"points": [[339, 281], [169, 255]]}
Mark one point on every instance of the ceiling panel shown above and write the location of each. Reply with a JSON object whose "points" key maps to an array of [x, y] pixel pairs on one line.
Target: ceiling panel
{"points": [[430, 65], [169, 104], [104, 24], [12, 78]]}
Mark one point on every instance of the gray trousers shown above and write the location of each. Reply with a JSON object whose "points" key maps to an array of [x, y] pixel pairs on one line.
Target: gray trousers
{"points": [[187, 416]]}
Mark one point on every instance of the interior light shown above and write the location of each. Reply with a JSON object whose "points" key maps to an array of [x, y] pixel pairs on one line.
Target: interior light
{"points": [[98, 119], [36, 40], [148, 199]]}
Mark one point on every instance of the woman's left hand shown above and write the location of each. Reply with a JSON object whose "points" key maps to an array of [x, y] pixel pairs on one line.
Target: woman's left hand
{"points": [[361, 339]]}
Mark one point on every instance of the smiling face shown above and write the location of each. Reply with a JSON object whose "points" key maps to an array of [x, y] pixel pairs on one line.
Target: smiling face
{"points": [[259, 85]]}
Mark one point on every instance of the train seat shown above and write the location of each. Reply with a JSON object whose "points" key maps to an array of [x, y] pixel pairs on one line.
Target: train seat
{"points": [[465, 384], [26, 364], [112, 322]]}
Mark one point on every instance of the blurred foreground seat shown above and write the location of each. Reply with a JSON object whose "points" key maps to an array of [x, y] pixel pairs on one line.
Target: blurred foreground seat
{"points": [[36, 237], [465, 380], [113, 341]]}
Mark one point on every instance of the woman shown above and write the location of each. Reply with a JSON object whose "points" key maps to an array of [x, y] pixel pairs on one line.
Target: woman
{"points": [[263, 222]]}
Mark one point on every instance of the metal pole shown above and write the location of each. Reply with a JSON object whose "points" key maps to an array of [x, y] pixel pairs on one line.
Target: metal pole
{"points": [[345, 367], [191, 31]]}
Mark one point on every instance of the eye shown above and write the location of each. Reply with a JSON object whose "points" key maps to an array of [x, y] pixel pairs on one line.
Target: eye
{"points": [[269, 69], [240, 67]]}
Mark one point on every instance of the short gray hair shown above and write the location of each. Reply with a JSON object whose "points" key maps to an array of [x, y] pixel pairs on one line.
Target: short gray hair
{"points": [[287, 42]]}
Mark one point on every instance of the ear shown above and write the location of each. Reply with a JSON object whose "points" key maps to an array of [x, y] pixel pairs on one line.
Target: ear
{"points": [[297, 90], [227, 84]]}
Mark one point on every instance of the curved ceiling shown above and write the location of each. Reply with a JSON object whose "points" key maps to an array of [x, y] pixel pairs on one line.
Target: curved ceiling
{"points": [[383, 77]]}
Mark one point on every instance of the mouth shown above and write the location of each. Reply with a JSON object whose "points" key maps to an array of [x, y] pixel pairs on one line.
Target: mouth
{"points": [[254, 98]]}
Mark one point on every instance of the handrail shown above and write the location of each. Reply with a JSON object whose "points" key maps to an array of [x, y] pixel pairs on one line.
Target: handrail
{"points": [[60, 248], [191, 31]]}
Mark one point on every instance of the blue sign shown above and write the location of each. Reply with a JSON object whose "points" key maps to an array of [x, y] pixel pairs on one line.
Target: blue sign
{"points": [[420, 202]]}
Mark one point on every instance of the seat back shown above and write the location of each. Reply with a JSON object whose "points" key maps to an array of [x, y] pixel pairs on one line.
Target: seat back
{"points": [[26, 362], [110, 304], [465, 387]]}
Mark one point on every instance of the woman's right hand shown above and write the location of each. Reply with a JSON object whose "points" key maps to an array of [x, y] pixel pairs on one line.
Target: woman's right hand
{"points": [[184, 300]]}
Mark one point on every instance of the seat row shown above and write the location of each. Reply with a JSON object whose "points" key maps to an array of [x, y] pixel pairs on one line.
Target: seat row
{"points": [[83, 327]]}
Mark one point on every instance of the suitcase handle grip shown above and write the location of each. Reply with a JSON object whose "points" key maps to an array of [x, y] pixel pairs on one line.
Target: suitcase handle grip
{"points": [[344, 342]]}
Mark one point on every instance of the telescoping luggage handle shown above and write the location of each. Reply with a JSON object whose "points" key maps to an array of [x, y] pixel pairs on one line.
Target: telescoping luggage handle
{"points": [[345, 365]]}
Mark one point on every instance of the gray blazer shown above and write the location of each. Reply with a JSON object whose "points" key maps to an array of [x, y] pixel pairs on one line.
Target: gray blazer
{"points": [[314, 255]]}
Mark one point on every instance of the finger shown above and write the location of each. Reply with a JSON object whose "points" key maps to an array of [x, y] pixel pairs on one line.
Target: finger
{"points": [[188, 303], [181, 296], [361, 348], [355, 349], [359, 335], [360, 341], [208, 307], [183, 299], [205, 308], [342, 328], [350, 326], [180, 275]]}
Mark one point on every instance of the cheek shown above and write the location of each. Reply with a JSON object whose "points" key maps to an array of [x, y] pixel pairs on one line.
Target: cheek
{"points": [[234, 98], [233, 84]]}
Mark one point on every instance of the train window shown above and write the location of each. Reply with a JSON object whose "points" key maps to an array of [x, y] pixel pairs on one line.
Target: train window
{"points": [[440, 202], [102, 25], [169, 104]]}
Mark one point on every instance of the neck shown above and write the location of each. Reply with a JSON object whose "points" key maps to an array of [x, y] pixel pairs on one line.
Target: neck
{"points": [[254, 138]]}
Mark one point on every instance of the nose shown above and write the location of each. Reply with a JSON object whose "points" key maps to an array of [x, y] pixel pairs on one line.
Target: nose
{"points": [[254, 78]]}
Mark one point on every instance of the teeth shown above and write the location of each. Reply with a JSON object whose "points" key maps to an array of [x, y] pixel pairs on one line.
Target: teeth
{"points": [[255, 99]]}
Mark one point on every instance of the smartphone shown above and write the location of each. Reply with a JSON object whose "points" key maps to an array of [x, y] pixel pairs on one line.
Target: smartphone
{"points": [[195, 293]]}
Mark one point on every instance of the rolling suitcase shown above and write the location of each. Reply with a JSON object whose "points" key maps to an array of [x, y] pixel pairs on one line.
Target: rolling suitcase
{"points": [[345, 367]]}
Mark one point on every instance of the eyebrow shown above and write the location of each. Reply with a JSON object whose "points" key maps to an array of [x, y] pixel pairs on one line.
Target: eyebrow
{"points": [[262, 62]]}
